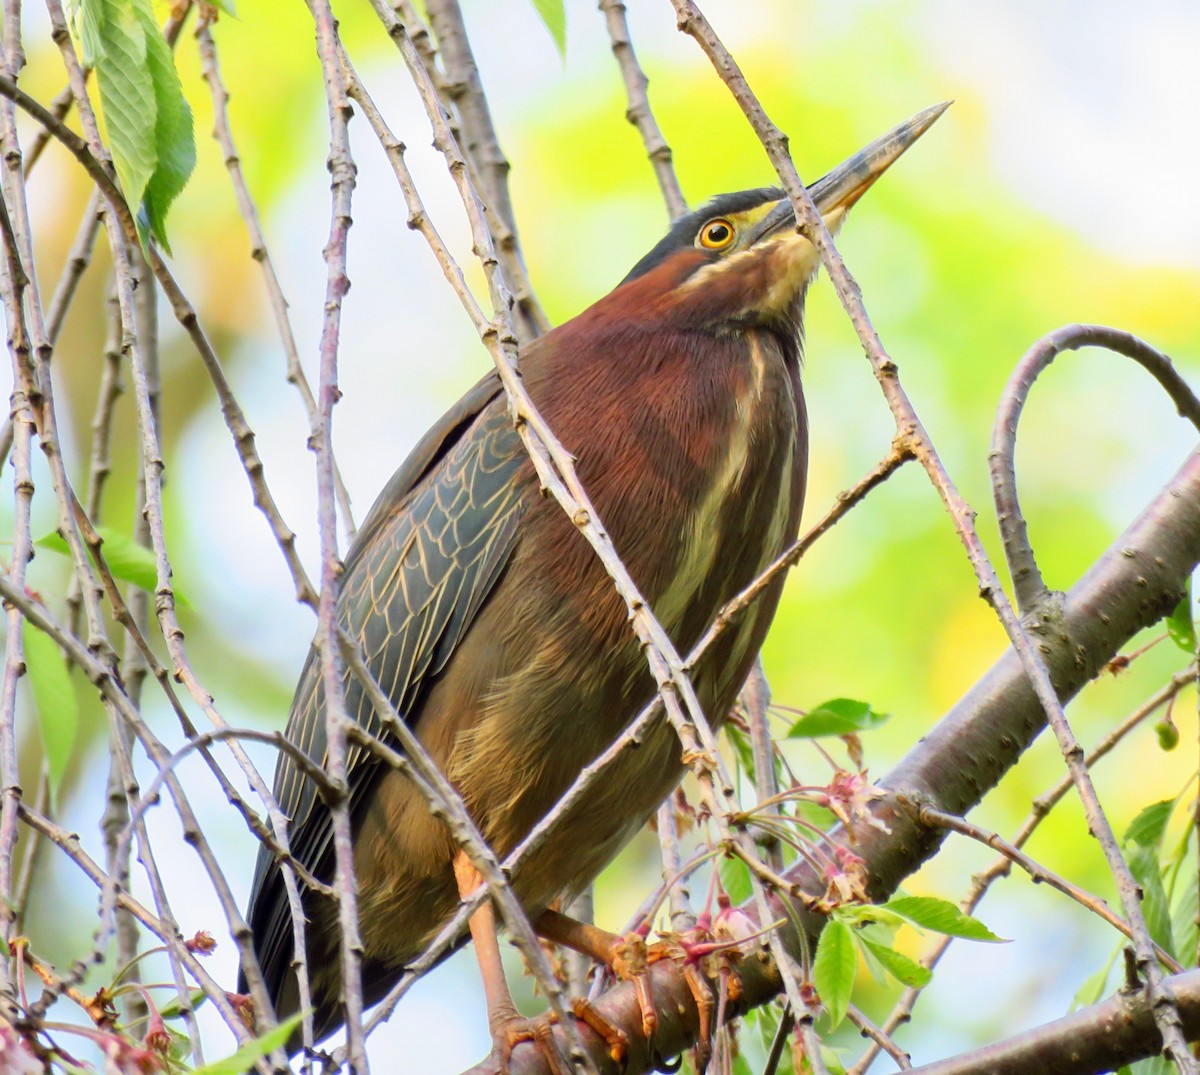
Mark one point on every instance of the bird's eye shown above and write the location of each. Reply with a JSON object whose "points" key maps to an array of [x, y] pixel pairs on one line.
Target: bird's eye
{"points": [[716, 234]]}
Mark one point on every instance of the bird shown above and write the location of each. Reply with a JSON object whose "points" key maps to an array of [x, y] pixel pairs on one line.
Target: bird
{"points": [[494, 629]]}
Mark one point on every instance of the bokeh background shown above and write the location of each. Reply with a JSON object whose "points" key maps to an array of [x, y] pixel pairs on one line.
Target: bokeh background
{"points": [[1060, 187]]}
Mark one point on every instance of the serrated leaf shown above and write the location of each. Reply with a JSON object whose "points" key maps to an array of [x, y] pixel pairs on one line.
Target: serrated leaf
{"points": [[905, 970], [244, 1058], [126, 91], [85, 21], [54, 696], [148, 122], [735, 879], [173, 138], [839, 716], [1180, 625], [1148, 827], [1143, 864], [126, 559], [554, 14], [834, 969], [941, 916]]}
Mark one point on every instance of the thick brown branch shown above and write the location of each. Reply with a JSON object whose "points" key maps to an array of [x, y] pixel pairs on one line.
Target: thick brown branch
{"points": [[1136, 582], [1096, 1039]]}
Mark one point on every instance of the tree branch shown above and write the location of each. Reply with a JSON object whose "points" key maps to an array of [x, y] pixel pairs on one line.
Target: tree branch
{"points": [[1135, 583]]}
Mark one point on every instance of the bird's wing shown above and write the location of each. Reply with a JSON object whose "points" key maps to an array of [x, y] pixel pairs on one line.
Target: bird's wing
{"points": [[426, 558]]}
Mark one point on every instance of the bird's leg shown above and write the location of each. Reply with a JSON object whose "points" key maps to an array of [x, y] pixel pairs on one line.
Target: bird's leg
{"points": [[627, 955], [507, 1026]]}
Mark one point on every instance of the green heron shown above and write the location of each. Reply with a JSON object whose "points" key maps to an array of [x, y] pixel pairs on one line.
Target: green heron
{"points": [[493, 627]]}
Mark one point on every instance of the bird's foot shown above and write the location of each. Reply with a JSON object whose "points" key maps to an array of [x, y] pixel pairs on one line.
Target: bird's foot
{"points": [[630, 958], [707, 953], [510, 1029], [514, 1028], [614, 1037]]}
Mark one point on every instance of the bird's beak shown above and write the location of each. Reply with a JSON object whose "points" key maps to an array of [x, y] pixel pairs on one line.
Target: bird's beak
{"points": [[835, 193]]}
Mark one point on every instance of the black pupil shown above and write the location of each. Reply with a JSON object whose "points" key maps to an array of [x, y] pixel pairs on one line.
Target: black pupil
{"points": [[718, 233]]}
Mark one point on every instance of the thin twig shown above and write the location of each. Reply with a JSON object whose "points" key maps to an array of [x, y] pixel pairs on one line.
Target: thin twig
{"points": [[1039, 873], [869, 1030], [337, 720], [260, 252], [639, 112]]}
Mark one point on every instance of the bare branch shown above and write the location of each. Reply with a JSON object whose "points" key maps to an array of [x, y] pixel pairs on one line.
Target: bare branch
{"points": [[639, 112], [1028, 585], [1039, 873], [1101, 1038], [489, 166]]}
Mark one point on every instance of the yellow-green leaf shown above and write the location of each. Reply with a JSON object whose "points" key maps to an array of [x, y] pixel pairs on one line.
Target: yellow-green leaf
{"points": [[834, 969], [147, 120], [54, 696], [1180, 625], [241, 1061], [838, 716], [126, 559], [554, 14], [941, 916], [904, 970]]}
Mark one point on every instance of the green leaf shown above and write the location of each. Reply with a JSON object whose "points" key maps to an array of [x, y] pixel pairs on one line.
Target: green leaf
{"points": [[126, 559], [126, 91], [866, 914], [173, 137], [1180, 625], [741, 1066], [244, 1058], [554, 14], [149, 124], [1148, 827], [834, 969], [735, 879], [173, 1010], [839, 716], [1183, 914], [740, 742], [1143, 864], [1153, 1065], [1094, 987], [904, 970], [85, 21], [54, 696], [941, 916]]}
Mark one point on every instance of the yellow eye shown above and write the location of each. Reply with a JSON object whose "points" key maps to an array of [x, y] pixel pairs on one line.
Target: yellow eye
{"points": [[716, 234]]}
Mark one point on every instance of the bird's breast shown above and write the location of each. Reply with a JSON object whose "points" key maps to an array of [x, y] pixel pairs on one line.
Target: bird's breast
{"points": [[746, 508]]}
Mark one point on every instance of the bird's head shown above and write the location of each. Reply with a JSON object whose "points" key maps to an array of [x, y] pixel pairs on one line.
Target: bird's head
{"points": [[740, 260]]}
